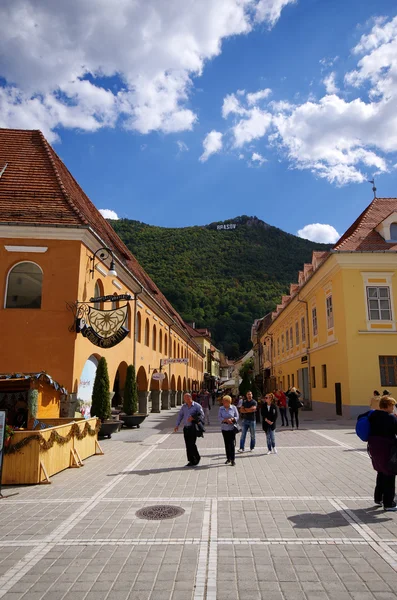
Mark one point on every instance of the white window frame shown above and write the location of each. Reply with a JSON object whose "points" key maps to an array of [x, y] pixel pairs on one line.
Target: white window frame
{"points": [[314, 321], [384, 279], [20, 262], [297, 336], [291, 337], [287, 340], [329, 307], [303, 329], [378, 299]]}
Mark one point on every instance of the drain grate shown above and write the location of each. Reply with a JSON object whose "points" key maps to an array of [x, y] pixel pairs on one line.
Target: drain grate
{"points": [[159, 512]]}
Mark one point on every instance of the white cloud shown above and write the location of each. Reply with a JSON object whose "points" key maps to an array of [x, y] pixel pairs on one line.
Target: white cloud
{"points": [[107, 213], [57, 59], [254, 98], [319, 232], [330, 83], [212, 144], [258, 158], [253, 127], [182, 147]]}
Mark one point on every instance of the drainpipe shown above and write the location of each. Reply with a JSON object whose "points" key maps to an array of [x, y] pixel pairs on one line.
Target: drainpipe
{"points": [[135, 332], [309, 379]]}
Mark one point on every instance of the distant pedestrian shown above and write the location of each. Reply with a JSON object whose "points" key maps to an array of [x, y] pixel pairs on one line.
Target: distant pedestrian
{"points": [[228, 417], [190, 413], [281, 401], [269, 418], [381, 444], [375, 400], [247, 412], [204, 399], [294, 405]]}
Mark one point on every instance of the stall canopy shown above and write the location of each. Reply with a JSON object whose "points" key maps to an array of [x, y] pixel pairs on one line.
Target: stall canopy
{"points": [[230, 383]]}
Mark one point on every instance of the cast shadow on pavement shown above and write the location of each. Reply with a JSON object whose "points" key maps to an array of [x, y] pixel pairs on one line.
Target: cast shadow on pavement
{"points": [[164, 470], [336, 519]]}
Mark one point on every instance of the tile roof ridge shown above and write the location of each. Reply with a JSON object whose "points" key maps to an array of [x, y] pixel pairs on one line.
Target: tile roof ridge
{"points": [[49, 150]]}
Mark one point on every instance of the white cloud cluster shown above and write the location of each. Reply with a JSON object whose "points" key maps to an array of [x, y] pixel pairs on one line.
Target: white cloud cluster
{"points": [[212, 144], [319, 232], [258, 158], [340, 140], [53, 54], [107, 213]]}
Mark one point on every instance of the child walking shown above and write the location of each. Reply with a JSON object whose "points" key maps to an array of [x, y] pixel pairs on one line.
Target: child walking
{"points": [[269, 418]]}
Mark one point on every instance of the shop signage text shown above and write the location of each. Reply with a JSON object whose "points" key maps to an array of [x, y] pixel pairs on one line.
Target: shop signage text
{"points": [[173, 361]]}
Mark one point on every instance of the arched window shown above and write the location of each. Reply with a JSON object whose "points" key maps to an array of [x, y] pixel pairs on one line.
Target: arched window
{"points": [[154, 338], [165, 344], [24, 286], [175, 349], [161, 341], [128, 320], [98, 292], [115, 304], [147, 332], [138, 327], [393, 231]]}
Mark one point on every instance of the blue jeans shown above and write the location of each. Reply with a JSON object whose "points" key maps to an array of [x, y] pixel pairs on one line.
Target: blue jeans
{"points": [[271, 439], [251, 425]]}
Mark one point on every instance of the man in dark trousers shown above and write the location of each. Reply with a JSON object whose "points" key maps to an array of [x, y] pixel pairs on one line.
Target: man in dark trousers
{"points": [[190, 413], [247, 412]]}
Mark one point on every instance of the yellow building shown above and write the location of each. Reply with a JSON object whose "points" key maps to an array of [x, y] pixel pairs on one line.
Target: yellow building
{"points": [[335, 336], [73, 292]]}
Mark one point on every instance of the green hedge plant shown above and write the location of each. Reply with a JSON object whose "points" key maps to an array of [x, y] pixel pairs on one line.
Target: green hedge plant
{"points": [[130, 404], [101, 392]]}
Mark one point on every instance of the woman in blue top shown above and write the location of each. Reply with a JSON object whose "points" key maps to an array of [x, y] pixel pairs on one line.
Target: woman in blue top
{"points": [[228, 417]]}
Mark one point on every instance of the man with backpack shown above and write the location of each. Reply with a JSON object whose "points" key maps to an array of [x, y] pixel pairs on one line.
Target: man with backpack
{"points": [[191, 414]]}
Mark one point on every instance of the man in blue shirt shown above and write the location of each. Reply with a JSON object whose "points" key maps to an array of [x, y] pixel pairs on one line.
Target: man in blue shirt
{"points": [[190, 413]]}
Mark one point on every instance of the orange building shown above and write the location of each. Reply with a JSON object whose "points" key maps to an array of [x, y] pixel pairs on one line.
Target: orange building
{"points": [[57, 253]]}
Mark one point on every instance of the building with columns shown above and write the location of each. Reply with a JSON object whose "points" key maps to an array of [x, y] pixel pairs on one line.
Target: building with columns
{"points": [[72, 292]]}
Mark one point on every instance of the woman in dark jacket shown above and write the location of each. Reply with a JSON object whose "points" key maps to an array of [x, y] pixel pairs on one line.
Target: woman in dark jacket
{"points": [[294, 404], [269, 418], [380, 443]]}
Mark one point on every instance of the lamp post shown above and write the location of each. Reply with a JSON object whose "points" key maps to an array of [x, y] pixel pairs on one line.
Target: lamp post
{"points": [[103, 254]]}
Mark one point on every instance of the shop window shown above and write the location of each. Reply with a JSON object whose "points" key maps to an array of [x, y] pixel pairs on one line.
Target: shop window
{"points": [[138, 327], [313, 377], [324, 375], [314, 321], [147, 332], [154, 338], [24, 286], [330, 312], [378, 302], [388, 370]]}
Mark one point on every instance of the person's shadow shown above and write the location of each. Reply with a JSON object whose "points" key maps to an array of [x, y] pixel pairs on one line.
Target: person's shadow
{"points": [[336, 519], [144, 472]]}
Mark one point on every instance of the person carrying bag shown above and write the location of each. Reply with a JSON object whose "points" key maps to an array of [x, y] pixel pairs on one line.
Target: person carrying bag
{"points": [[228, 417]]}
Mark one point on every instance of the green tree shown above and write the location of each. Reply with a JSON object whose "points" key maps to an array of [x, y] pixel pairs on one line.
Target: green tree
{"points": [[101, 393], [130, 404]]}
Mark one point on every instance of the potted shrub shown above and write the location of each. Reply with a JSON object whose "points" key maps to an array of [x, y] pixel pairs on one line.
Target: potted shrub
{"points": [[130, 416], [101, 407]]}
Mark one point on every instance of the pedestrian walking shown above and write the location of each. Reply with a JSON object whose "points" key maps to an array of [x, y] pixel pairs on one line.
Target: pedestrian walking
{"points": [[247, 412], [206, 406], [269, 418], [381, 445], [190, 413], [374, 404], [228, 417], [281, 401], [294, 405]]}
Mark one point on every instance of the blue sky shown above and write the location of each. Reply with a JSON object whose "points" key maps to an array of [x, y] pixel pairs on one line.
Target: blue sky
{"points": [[131, 106]]}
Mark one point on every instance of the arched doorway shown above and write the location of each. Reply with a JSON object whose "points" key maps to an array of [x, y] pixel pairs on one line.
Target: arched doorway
{"points": [[143, 393], [179, 393], [184, 388], [155, 393], [165, 393], [119, 384], [173, 391], [86, 384]]}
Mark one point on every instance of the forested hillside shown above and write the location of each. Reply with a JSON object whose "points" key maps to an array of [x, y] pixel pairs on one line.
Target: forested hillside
{"points": [[220, 279]]}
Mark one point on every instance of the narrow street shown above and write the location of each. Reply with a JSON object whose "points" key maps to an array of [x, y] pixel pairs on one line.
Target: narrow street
{"points": [[293, 526]]}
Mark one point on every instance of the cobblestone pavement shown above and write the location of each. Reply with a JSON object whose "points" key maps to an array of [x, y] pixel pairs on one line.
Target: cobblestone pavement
{"points": [[300, 525]]}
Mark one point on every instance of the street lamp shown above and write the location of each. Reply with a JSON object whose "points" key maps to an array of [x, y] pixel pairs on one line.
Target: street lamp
{"points": [[103, 254]]}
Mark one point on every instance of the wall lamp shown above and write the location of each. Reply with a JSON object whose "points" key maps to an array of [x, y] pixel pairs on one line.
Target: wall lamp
{"points": [[103, 254]]}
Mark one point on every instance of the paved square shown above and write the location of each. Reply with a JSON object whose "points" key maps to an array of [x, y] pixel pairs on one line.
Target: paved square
{"points": [[299, 525]]}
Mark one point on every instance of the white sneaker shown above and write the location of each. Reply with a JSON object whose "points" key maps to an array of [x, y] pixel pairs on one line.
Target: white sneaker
{"points": [[275, 451], [252, 449], [241, 450], [268, 452]]}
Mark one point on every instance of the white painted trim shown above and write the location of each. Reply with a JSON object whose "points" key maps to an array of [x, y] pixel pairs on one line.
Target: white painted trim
{"points": [[38, 249], [147, 311], [139, 304], [155, 318], [387, 275], [101, 270], [117, 285]]}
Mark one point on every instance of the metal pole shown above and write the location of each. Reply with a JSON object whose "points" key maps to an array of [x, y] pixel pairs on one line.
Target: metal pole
{"points": [[3, 420]]}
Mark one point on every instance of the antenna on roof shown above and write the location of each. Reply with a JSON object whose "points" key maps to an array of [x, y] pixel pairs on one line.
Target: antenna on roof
{"points": [[373, 186], [3, 169]]}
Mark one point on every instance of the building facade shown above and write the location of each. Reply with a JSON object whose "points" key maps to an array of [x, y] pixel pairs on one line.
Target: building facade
{"points": [[63, 267], [335, 336]]}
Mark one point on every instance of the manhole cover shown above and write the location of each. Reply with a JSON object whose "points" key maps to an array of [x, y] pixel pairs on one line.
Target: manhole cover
{"points": [[159, 512]]}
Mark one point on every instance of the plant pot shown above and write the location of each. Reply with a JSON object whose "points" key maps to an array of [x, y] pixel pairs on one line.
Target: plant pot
{"points": [[133, 420], [108, 427]]}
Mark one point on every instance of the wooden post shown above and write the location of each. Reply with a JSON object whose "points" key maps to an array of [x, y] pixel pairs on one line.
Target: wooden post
{"points": [[98, 449], [44, 472], [74, 461]]}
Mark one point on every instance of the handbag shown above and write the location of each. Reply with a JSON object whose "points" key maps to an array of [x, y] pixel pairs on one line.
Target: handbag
{"points": [[392, 464], [236, 429]]}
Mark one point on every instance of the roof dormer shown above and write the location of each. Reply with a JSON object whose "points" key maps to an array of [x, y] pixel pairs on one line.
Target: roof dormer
{"points": [[388, 228]]}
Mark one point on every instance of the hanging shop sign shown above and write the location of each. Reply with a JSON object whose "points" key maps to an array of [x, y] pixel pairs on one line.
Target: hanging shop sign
{"points": [[104, 328], [158, 376], [174, 361], [111, 298]]}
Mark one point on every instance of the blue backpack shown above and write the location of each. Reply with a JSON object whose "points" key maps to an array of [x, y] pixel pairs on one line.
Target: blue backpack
{"points": [[363, 426]]}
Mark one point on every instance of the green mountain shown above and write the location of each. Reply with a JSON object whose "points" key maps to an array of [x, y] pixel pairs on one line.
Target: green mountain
{"points": [[222, 279]]}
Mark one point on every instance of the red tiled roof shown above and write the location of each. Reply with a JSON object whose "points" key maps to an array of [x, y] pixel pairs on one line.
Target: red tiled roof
{"points": [[36, 187], [361, 236]]}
